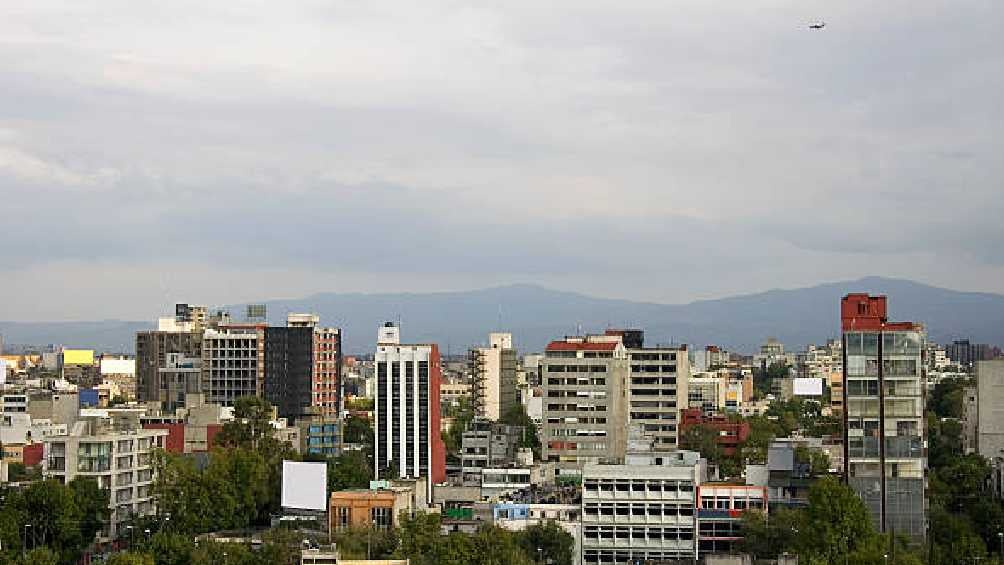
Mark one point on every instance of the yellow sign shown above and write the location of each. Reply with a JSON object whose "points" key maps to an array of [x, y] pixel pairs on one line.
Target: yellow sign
{"points": [[78, 357]]}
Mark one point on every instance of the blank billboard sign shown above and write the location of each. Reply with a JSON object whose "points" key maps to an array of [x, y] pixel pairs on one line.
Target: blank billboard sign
{"points": [[807, 387], [304, 485]]}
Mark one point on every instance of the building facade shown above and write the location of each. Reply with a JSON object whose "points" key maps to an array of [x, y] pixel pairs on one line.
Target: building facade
{"points": [[118, 461], [641, 512], [658, 391], [585, 401], [884, 415], [493, 377], [233, 362], [154, 351], [406, 409]]}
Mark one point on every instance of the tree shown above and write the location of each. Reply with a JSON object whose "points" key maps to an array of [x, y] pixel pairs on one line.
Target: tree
{"points": [[250, 425], [366, 543], [517, 416], [130, 558], [766, 539], [703, 439], [92, 501], [419, 537], [358, 430], [550, 541], [836, 522], [350, 470]]}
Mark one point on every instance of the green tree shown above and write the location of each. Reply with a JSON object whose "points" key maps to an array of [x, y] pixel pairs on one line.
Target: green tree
{"points": [[419, 538], [835, 524], [351, 469], [703, 439], [130, 558], [92, 501], [250, 425], [358, 430], [517, 416], [766, 539], [555, 545], [366, 543]]}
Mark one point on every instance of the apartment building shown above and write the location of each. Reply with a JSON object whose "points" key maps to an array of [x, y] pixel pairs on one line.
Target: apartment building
{"points": [[406, 409], [233, 362], [118, 460], [884, 425], [493, 377]]}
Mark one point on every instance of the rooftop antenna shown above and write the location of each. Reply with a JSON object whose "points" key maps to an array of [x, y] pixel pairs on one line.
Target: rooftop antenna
{"points": [[499, 326]]}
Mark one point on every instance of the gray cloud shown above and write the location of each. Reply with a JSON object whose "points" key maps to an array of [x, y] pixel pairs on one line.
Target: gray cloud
{"points": [[662, 151]]}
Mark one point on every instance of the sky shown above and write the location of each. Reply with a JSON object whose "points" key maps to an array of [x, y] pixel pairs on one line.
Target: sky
{"points": [[221, 152]]}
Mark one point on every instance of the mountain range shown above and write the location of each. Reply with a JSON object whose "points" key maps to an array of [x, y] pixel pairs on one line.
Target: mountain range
{"points": [[535, 315]]}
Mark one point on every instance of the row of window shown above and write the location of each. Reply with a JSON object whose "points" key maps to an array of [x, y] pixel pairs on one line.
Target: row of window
{"points": [[576, 368], [640, 534], [638, 510], [626, 485]]}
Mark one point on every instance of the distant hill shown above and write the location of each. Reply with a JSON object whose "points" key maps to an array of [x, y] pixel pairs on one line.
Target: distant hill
{"points": [[457, 320]]}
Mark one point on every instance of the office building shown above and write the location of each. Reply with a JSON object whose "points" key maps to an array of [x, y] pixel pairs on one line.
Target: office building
{"points": [[119, 462], [643, 511], [966, 354], [658, 389], [302, 364], [493, 377], [406, 409], [585, 401], [884, 426], [233, 362]]}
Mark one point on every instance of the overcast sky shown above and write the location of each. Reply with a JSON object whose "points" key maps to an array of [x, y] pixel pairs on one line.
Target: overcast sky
{"points": [[216, 152]]}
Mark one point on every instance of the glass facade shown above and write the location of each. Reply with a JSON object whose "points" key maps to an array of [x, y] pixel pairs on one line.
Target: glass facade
{"points": [[884, 436]]}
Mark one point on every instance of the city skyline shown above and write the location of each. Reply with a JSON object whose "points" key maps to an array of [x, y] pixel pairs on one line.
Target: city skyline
{"points": [[565, 148]]}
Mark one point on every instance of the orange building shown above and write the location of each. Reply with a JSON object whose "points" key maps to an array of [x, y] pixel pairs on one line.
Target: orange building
{"points": [[379, 507]]}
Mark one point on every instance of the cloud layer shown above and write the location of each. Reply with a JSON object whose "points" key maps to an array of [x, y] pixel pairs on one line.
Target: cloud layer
{"points": [[661, 151]]}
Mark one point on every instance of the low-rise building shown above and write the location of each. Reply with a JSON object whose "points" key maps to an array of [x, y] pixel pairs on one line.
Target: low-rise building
{"points": [[719, 514], [642, 511], [379, 506], [731, 433], [487, 444]]}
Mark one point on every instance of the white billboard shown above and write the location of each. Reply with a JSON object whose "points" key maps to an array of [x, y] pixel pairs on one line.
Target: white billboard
{"points": [[807, 387], [305, 485], [118, 366]]}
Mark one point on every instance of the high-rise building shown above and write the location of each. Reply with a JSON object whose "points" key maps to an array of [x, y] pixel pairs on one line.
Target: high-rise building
{"points": [[233, 362], [966, 354], [596, 386], [658, 390], [493, 377], [406, 409], [585, 401], [175, 344], [884, 426], [302, 363], [989, 428]]}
